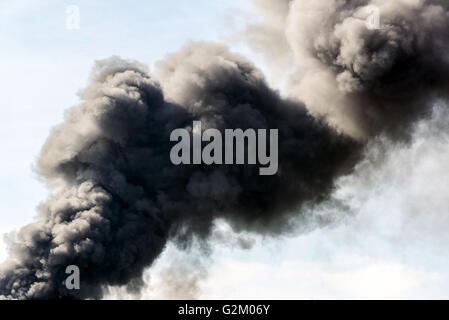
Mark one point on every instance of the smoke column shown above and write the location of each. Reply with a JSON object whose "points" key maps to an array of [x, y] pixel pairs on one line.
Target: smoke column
{"points": [[117, 197]]}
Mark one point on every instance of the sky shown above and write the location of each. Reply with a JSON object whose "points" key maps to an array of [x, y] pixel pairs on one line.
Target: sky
{"points": [[376, 250]]}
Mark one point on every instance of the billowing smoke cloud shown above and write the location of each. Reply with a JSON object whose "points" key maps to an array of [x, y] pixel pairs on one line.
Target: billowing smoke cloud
{"points": [[118, 198], [378, 79]]}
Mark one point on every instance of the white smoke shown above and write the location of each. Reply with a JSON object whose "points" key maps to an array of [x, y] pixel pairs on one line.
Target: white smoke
{"points": [[400, 190]]}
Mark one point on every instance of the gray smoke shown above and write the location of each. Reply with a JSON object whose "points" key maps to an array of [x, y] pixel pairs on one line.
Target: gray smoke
{"points": [[377, 79], [118, 199]]}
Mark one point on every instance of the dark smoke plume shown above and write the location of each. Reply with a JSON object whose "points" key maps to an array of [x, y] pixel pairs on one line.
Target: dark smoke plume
{"points": [[378, 79], [118, 199]]}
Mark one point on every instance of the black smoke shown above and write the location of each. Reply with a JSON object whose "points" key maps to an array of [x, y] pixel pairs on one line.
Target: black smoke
{"points": [[118, 198], [379, 79]]}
